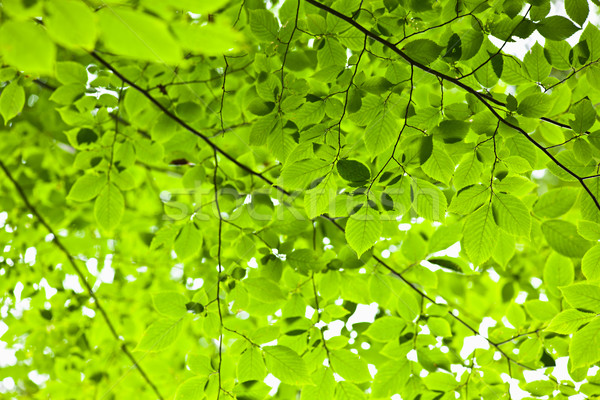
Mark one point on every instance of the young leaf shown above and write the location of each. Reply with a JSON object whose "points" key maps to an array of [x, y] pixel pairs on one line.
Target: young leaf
{"points": [[264, 25], [479, 235], [170, 304], [569, 321], [363, 229], [86, 187], [381, 133], [286, 365], [584, 350], [558, 272], [353, 171], [562, 236], [109, 207], [511, 214], [251, 366], [583, 295], [12, 100], [27, 46], [71, 23], [188, 242], [191, 389], [350, 366], [160, 335]]}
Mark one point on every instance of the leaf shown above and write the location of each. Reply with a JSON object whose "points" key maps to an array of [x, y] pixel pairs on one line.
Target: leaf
{"points": [[381, 133], [535, 105], [26, 45], [439, 166], [363, 229], [348, 391], [536, 64], [558, 272], [264, 25], [188, 242], [479, 235], [589, 230], [12, 100], [590, 264], [391, 378], [583, 295], [251, 366], [300, 174], [353, 171], [541, 310], [191, 389], [562, 236], [440, 381], [424, 51], [170, 304], [556, 28], [429, 201], [160, 335], [349, 366], [324, 386], [577, 10], [71, 24], [569, 321], [555, 202], [584, 349], [585, 116], [87, 187], [286, 365], [468, 172], [385, 329], [137, 35], [511, 214], [109, 207], [264, 290]]}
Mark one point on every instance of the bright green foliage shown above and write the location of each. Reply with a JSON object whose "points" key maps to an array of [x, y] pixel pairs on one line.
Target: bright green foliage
{"points": [[200, 199]]}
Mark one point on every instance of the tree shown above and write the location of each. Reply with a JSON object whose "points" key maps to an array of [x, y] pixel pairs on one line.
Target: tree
{"points": [[197, 195]]}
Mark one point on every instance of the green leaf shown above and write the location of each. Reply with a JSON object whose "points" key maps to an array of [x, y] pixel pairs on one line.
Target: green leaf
{"points": [[391, 378], [429, 201], [160, 335], [589, 230], [12, 100], [479, 235], [363, 229], [562, 236], [385, 329], [286, 365], [439, 166], [584, 349], [381, 132], [558, 272], [87, 187], [468, 172], [583, 295], [251, 366], [353, 171], [577, 10], [264, 25], [585, 116], [556, 28], [440, 381], [349, 366], [536, 64], [556, 202], [26, 45], [439, 327], [188, 242], [109, 207], [264, 290], [137, 35], [591, 37], [569, 321], [170, 304], [535, 105], [300, 174], [511, 214], [590, 264], [324, 388], [541, 310], [71, 24], [349, 391], [424, 51], [191, 389]]}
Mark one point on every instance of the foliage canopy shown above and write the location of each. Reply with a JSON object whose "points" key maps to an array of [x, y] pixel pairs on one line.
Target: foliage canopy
{"points": [[199, 198]]}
